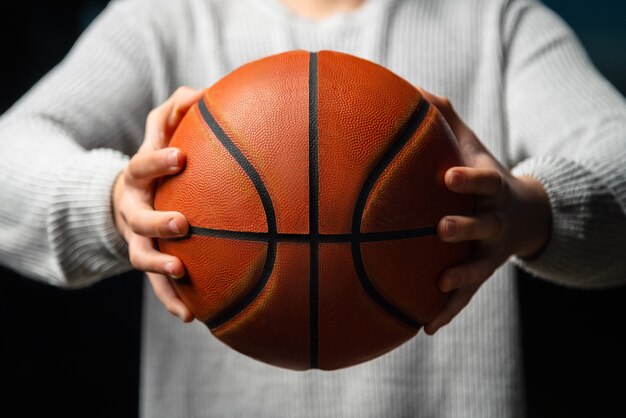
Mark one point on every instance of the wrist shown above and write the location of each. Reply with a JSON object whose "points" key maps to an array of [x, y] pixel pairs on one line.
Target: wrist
{"points": [[534, 217], [116, 195]]}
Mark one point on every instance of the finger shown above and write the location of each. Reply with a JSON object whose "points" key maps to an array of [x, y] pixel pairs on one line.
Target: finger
{"points": [[482, 226], [444, 106], [155, 224], [481, 181], [166, 293], [469, 143], [180, 102], [472, 272], [144, 257], [146, 166], [458, 300], [162, 120]]}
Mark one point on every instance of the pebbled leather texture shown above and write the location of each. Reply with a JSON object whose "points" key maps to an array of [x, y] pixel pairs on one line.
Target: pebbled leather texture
{"points": [[291, 296]]}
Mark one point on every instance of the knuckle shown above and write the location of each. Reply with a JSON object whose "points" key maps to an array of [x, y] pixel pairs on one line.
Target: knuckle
{"points": [[134, 222], [134, 167], [126, 232], [152, 116], [135, 258], [131, 168], [500, 185], [127, 176], [183, 91]]}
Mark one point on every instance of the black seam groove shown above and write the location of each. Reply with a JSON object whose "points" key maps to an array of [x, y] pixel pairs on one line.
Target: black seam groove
{"points": [[306, 238], [414, 122], [313, 215], [268, 208]]}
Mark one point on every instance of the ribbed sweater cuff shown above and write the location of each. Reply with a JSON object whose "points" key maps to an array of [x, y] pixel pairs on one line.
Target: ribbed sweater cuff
{"points": [[574, 192], [80, 222]]}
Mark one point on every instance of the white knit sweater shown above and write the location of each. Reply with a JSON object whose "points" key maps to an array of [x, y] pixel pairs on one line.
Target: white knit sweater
{"points": [[513, 70]]}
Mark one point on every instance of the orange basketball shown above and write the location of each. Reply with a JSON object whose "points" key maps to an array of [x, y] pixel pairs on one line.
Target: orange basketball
{"points": [[313, 185]]}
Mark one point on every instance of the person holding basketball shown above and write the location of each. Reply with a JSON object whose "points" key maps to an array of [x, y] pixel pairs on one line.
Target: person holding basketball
{"points": [[545, 158]]}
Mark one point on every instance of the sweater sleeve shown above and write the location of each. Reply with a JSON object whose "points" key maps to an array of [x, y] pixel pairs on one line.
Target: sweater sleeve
{"points": [[567, 127], [63, 144]]}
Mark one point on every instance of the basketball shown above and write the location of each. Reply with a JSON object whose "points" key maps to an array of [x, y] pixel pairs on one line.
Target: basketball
{"points": [[313, 185]]}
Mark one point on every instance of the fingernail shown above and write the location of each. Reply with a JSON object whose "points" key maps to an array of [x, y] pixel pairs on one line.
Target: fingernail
{"points": [[181, 314], [174, 227], [450, 228], [169, 267], [456, 179], [172, 158]]}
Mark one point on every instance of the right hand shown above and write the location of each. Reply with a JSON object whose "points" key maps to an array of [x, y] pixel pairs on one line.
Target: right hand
{"points": [[133, 195], [512, 216]]}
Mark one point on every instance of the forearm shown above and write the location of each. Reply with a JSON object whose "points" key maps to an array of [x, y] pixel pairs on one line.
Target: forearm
{"points": [[63, 144], [567, 129], [588, 234], [55, 222]]}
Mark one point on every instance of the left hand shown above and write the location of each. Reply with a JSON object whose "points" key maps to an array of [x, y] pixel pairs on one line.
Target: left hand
{"points": [[132, 201], [513, 217]]}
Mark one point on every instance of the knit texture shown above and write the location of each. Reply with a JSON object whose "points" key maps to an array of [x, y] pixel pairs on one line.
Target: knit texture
{"points": [[516, 75]]}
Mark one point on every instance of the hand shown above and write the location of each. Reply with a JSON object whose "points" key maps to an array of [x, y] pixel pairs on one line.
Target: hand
{"points": [[132, 202], [513, 217]]}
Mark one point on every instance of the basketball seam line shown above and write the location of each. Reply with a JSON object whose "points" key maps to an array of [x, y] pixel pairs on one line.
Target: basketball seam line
{"points": [[313, 214], [306, 238], [412, 125], [268, 208]]}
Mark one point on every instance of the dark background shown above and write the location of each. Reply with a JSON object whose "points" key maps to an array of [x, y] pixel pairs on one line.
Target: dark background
{"points": [[76, 353]]}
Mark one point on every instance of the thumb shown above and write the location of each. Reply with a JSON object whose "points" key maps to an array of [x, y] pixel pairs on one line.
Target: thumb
{"points": [[444, 106], [163, 120], [468, 142]]}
